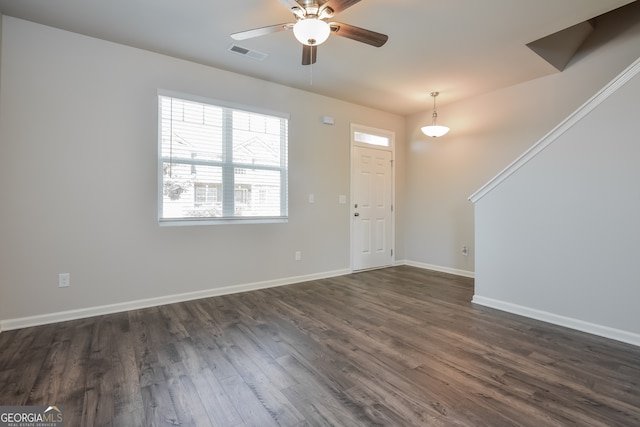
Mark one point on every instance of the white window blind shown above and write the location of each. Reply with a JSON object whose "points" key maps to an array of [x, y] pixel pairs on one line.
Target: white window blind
{"points": [[220, 163]]}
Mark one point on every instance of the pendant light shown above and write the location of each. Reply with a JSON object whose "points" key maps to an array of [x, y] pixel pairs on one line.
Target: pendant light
{"points": [[434, 130]]}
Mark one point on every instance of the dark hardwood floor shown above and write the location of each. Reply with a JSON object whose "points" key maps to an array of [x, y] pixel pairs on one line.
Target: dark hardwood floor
{"points": [[394, 347]]}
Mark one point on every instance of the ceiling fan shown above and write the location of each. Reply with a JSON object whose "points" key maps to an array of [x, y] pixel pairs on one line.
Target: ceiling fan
{"points": [[312, 26]]}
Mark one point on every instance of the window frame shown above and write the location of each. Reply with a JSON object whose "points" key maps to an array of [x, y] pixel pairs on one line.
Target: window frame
{"points": [[227, 165]]}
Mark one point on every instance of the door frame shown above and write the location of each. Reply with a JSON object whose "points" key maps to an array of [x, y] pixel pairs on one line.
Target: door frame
{"points": [[391, 135]]}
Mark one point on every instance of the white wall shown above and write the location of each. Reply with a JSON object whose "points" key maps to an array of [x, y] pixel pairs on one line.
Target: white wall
{"points": [[558, 239], [489, 132], [78, 159]]}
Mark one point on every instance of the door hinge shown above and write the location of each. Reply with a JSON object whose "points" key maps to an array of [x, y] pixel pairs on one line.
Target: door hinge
{"points": [[391, 252], [391, 208]]}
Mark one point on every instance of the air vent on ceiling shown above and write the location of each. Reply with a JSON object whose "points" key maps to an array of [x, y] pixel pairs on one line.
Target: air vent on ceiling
{"points": [[253, 54]]}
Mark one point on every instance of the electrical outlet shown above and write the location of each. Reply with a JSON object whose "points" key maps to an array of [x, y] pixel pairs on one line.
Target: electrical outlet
{"points": [[298, 256], [465, 250], [64, 280]]}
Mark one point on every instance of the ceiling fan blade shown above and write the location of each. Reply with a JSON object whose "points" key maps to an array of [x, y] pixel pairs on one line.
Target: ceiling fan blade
{"points": [[339, 5], [294, 7], [289, 4], [257, 32], [359, 34], [309, 54]]}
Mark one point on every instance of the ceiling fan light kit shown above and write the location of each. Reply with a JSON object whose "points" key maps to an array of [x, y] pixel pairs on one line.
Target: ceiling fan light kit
{"points": [[434, 130], [311, 31], [312, 27]]}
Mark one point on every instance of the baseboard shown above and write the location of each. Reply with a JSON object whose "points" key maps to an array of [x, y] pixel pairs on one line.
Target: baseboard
{"points": [[567, 322], [63, 316], [455, 271]]}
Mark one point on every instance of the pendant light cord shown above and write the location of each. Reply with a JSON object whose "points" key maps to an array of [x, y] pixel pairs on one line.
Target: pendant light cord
{"points": [[434, 116]]}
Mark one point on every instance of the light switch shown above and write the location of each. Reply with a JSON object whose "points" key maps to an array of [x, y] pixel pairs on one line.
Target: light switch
{"points": [[312, 198], [342, 199]]}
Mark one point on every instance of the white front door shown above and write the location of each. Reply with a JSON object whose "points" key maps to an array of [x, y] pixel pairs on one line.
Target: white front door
{"points": [[371, 209]]}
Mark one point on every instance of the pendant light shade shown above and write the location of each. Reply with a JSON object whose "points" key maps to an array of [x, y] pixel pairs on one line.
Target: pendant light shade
{"points": [[311, 31], [434, 130]]}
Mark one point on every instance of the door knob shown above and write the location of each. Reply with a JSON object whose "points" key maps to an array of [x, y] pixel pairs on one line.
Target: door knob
{"points": [[356, 214]]}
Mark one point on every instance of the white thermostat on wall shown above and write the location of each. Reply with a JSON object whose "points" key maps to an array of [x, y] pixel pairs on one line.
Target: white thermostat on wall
{"points": [[328, 120]]}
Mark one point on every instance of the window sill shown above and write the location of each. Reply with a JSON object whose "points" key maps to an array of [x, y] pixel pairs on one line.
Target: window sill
{"points": [[220, 221]]}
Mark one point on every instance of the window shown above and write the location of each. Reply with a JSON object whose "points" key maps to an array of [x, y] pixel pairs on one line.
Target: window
{"points": [[371, 139], [219, 163]]}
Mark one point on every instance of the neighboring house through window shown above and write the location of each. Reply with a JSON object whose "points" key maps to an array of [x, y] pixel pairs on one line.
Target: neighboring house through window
{"points": [[220, 163]]}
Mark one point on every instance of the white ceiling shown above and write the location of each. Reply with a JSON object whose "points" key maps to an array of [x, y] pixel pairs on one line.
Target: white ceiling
{"points": [[461, 48]]}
